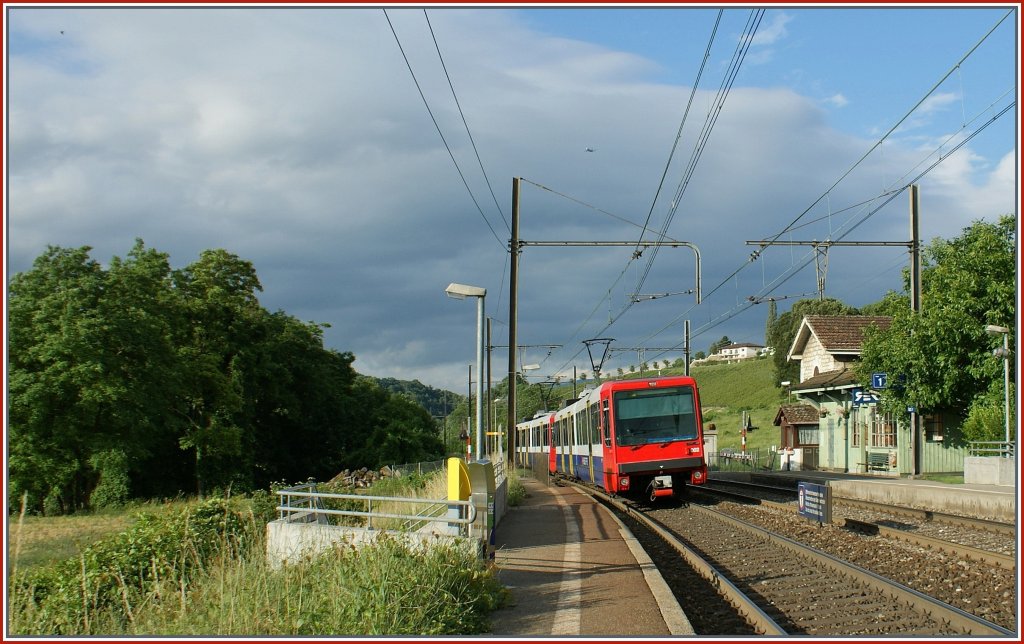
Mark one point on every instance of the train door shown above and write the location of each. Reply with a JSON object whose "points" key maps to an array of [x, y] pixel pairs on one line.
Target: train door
{"points": [[565, 443], [593, 444], [550, 432], [578, 454], [608, 454]]}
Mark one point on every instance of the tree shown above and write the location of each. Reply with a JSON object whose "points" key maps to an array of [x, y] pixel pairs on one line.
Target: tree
{"points": [[92, 375], [773, 317], [942, 356], [719, 344], [54, 369], [218, 293]]}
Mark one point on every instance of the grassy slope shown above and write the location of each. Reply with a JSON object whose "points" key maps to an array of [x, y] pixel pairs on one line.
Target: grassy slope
{"points": [[726, 390]]}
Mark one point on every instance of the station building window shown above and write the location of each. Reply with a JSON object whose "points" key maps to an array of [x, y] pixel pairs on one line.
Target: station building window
{"points": [[883, 431], [933, 428]]}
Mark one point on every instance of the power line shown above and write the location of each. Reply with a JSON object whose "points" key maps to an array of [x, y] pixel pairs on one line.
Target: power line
{"points": [[470, 134], [889, 195], [739, 55], [438, 127], [878, 143], [682, 122]]}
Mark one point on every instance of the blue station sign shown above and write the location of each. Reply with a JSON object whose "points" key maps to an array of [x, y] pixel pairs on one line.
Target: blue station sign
{"points": [[860, 398], [814, 501]]}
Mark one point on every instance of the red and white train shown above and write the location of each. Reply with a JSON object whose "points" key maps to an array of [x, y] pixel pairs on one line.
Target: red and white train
{"points": [[642, 438]]}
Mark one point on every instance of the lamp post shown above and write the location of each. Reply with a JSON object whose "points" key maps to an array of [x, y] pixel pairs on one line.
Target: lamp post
{"points": [[992, 329], [461, 292]]}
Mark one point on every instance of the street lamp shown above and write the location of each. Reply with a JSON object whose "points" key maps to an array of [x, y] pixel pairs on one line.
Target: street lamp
{"points": [[461, 292], [992, 329]]}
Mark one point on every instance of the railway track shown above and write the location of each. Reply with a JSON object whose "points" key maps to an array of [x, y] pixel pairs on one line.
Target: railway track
{"points": [[983, 540], [777, 586]]}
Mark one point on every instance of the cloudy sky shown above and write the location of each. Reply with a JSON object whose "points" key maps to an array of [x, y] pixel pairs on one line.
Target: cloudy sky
{"points": [[363, 159]]}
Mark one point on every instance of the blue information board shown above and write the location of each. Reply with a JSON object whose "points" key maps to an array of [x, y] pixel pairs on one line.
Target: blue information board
{"points": [[814, 501]]}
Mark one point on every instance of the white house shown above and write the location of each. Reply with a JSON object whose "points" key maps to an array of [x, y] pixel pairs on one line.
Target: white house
{"points": [[739, 351]]}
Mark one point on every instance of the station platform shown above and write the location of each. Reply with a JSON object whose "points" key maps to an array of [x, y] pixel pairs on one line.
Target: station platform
{"points": [[994, 502], [574, 570]]}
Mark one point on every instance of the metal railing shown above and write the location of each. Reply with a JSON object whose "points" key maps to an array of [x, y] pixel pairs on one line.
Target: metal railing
{"points": [[303, 503], [734, 460], [423, 467], [1001, 449]]}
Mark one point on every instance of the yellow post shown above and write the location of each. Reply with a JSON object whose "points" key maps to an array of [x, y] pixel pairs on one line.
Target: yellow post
{"points": [[459, 488]]}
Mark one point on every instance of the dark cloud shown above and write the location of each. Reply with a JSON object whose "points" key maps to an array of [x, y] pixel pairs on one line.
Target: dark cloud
{"points": [[297, 139]]}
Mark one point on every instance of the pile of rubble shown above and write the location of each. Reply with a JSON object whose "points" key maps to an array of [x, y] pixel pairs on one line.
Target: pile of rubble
{"points": [[361, 478]]}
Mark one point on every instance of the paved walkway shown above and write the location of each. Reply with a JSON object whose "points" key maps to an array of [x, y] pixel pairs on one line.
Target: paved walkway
{"points": [[575, 570]]}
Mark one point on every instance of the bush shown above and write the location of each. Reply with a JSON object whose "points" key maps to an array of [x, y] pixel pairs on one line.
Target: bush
{"points": [[66, 598], [114, 488]]}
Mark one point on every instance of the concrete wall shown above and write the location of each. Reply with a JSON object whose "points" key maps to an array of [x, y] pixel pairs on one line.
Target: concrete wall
{"points": [[289, 543], [990, 470], [815, 355], [1001, 507]]}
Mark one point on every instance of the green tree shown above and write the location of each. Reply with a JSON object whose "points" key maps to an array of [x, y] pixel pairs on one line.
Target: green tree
{"points": [[942, 357], [394, 430], [773, 317], [54, 370], [92, 374], [218, 293], [724, 341]]}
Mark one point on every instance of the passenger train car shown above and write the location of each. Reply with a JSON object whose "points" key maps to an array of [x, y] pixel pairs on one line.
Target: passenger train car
{"points": [[642, 438]]}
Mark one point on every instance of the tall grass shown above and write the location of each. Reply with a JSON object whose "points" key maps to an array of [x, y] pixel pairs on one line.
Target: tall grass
{"points": [[203, 571]]}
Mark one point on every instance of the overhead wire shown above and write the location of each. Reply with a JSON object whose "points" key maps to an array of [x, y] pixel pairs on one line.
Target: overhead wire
{"points": [[793, 270], [472, 141], [682, 124], [712, 117], [885, 136], [739, 55], [888, 196], [426, 104]]}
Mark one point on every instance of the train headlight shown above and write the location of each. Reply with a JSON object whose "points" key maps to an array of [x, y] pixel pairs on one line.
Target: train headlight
{"points": [[623, 482], [698, 475]]}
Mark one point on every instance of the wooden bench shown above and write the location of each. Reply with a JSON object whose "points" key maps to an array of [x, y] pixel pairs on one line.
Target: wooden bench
{"points": [[876, 461]]}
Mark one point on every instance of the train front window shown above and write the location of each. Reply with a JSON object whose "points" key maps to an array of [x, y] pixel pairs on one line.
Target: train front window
{"points": [[654, 416]]}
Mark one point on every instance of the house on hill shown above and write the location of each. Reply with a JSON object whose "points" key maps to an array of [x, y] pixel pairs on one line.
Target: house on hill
{"points": [[738, 351], [854, 435]]}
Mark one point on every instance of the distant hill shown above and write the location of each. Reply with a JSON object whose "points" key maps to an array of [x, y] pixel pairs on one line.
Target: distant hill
{"points": [[438, 402]]}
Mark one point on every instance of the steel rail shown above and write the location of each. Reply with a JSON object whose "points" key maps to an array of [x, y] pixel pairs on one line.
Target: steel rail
{"points": [[1008, 562], [760, 621], [938, 610], [997, 527], [941, 545]]}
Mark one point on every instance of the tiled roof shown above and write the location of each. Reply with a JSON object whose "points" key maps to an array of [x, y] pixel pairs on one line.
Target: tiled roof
{"points": [[828, 380], [844, 333], [797, 415]]}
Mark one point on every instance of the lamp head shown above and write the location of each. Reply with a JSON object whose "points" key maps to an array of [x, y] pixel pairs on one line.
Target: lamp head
{"points": [[462, 291], [992, 329]]}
